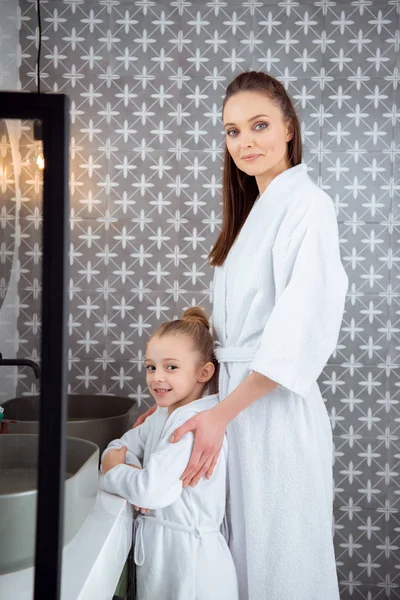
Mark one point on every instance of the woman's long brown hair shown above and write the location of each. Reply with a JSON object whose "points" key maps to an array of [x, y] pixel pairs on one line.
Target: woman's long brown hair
{"points": [[239, 191]]}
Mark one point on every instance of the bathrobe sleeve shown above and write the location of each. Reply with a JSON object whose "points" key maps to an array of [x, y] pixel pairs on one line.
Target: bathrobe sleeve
{"points": [[158, 484], [134, 440], [310, 288]]}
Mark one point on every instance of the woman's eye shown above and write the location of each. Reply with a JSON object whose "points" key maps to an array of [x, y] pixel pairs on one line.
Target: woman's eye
{"points": [[258, 126]]}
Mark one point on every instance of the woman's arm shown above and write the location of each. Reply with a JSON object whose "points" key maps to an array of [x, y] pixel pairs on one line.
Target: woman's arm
{"points": [[301, 332], [251, 389], [210, 426]]}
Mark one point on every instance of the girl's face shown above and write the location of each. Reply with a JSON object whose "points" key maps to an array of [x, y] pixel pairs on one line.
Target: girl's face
{"points": [[174, 373], [256, 136]]}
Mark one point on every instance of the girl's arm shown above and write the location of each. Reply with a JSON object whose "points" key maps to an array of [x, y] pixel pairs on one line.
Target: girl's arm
{"points": [[158, 484], [134, 440]]}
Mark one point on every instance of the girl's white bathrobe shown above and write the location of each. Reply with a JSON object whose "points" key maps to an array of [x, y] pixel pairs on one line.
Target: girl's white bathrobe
{"points": [[179, 551], [278, 305]]}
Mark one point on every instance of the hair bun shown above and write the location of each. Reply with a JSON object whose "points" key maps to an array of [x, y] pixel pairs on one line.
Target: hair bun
{"points": [[195, 314]]}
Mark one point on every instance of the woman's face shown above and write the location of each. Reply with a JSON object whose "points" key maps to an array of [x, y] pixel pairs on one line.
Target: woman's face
{"points": [[256, 136]]}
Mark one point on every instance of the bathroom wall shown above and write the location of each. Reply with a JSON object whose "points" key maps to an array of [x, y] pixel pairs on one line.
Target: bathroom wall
{"points": [[146, 81], [9, 192]]}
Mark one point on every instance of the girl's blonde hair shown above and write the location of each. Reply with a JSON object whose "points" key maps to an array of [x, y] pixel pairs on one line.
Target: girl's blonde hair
{"points": [[194, 324]]}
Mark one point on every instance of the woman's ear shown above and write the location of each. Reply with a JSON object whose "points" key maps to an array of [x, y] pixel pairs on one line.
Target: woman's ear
{"points": [[206, 372], [289, 131]]}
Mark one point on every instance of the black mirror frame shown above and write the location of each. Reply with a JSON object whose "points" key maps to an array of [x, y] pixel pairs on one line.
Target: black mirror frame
{"points": [[52, 110]]}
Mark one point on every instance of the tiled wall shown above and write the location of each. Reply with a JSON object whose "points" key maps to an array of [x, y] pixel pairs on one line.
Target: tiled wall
{"points": [[9, 216], [146, 81]]}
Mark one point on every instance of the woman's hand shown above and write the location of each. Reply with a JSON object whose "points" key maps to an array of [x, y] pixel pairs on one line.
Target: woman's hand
{"points": [[144, 416], [113, 457], [209, 428]]}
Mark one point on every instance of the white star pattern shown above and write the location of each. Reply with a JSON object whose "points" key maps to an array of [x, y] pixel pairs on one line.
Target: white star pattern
{"points": [[146, 82]]}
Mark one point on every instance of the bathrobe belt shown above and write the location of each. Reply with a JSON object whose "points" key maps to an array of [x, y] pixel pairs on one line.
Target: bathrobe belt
{"points": [[230, 354], [139, 555]]}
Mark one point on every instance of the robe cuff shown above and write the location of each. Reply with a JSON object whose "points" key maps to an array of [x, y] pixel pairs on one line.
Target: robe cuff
{"points": [[135, 462], [300, 388]]}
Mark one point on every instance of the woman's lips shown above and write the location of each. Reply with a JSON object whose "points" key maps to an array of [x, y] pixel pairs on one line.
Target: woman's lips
{"points": [[251, 157]]}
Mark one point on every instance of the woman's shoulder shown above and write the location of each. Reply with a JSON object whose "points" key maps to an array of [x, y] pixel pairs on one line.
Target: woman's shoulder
{"points": [[310, 204], [309, 193], [309, 209]]}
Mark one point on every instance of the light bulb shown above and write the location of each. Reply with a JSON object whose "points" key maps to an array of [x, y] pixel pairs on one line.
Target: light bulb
{"points": [[40, 161]]}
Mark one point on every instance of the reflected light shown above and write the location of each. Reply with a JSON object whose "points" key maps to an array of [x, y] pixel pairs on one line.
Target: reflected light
{"points": [[40, 161]]}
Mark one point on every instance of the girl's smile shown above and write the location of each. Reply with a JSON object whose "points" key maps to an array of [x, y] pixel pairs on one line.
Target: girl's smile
{"points": [[174, 373], [162, 391]]}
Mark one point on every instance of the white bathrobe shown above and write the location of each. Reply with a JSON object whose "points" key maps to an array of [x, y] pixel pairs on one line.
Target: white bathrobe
{"points": [[278, 305], [179, 551]]}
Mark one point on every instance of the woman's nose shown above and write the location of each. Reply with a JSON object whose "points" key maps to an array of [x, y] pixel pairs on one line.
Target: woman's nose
{"points": [[247, 141]]}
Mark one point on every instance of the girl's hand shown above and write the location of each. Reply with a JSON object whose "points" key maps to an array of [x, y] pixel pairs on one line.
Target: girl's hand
{"points": [[144, 416], [114, 457], [209, 429], [142, 510]]}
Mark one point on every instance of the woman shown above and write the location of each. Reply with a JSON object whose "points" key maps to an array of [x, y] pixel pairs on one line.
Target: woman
{"points": [[279, 292]]}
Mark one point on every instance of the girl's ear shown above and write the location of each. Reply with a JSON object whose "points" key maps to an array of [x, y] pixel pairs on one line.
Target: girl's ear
{"points": [[206, 372]]}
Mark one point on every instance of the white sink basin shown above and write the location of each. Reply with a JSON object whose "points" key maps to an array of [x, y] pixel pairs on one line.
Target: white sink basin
{"points": [[18, 495]]}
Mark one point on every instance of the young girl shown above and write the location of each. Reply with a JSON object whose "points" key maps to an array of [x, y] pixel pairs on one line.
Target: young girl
{"points": [[179, 551]]}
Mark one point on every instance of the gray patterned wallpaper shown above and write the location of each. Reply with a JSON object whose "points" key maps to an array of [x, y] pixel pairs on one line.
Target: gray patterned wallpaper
{"points": [[146, 81]]}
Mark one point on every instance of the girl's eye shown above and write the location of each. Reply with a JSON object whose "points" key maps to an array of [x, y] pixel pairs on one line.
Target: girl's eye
{"points": [[150, 368], [171, 367]]}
